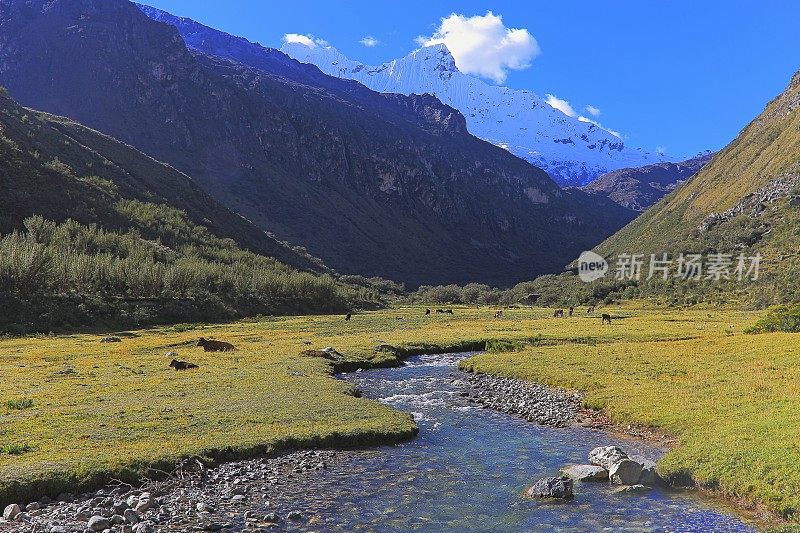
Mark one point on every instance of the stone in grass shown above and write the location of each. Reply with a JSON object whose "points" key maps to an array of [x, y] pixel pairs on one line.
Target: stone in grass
{"points": [[294, 515], [585, 473], [99, 523], [625, 472], [551, 487], [606, 456], [11, 512]]}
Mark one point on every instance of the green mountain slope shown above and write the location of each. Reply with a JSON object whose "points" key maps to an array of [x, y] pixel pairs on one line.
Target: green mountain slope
{"points": [[96, 234], [746, 200]]}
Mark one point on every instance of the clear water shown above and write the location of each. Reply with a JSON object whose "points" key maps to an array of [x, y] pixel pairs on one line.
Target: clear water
{"points": [[468, 467]]}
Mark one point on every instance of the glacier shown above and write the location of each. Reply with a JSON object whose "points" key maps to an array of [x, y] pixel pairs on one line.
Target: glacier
{"points": [[573, 152]]}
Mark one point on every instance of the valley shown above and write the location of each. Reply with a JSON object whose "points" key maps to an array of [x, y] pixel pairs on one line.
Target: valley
{"points": [[255, 287]]}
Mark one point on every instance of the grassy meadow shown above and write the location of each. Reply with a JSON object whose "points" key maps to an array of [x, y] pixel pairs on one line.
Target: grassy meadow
{"points": [[76, 412]]}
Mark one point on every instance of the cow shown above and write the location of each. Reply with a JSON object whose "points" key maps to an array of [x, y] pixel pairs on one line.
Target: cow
{"points": [[427, 312], [559, 313], [606, 318], [110, 339], [498, 314], [448, 311], [590, 310], [182, 365], [347, 317], [440, 310], [571, 311], [215, 346]]}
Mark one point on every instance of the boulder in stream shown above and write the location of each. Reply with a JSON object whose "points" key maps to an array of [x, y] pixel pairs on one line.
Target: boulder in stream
{"points": [[585, 473], [625, 472], [551, 487], [606, 456]]}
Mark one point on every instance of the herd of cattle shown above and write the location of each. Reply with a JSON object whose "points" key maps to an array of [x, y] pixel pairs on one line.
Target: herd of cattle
{"points": [[221, 346]]}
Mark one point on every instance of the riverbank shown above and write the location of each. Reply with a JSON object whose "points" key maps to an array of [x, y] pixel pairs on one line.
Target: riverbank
{"points": [[79, 412]]}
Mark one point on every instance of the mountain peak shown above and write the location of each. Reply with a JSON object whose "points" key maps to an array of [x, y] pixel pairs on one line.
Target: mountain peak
{"points": [[436, 56]]}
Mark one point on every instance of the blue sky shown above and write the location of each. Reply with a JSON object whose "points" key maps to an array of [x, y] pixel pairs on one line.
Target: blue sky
{"points": [[682, 75]]}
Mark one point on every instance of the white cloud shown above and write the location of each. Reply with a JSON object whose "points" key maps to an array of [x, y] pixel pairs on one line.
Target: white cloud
{"points": [[592, 110], [484, 46], [661, 150], [307, 40], [561, 105], [369, 41], [612, 132]]}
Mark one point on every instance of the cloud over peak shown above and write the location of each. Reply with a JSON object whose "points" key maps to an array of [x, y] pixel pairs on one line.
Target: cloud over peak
{"points": [[561, 105], [369, 41], [307, 40], [483, 45]]}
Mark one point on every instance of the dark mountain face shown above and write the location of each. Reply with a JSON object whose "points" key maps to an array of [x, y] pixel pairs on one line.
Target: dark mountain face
{"points": [[639, 188], [374, 184], [53, 167]]}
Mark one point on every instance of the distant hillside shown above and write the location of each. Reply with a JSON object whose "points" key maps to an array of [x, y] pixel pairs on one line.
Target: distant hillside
{"points": [[746, 200], [59, 169], [95, 234], [639, 188], [374, 184]]}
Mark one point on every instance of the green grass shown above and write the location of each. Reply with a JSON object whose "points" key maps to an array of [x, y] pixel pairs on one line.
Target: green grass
{"points": [[115, 410], [25, 403]]}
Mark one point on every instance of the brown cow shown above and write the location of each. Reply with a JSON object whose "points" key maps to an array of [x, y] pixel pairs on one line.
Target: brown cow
{"points": [[215, 346], [427, 312], [571, 311], [606, 318], [559, 313], [182, 365]]}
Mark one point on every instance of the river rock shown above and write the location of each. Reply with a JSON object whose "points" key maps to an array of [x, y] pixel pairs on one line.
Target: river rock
{"points": [[606, 456], [131, 516], [551, 487], [649, 474], [11, 512], [632, 489], [585, 473], [625, 472], [99, 523]]}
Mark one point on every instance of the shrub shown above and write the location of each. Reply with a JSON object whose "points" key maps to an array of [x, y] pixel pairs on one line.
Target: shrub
{"points": [[782, 318]]}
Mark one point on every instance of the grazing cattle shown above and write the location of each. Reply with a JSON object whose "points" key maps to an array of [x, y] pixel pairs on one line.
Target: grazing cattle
{"points": [[399, 318], [307, 343], [606, 318], [348, 316], [590, 309], [440, 310], [110, 339], [448, 311], [215, 346], [559, 313], [182, 365], [498, 314], [571, 311], [427, 312]]}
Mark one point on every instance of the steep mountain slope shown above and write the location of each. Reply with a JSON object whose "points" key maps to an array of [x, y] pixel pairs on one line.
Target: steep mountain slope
{"points": [[573, 152], [639, 188], [53, 167], [746, 200], [375, 184]]}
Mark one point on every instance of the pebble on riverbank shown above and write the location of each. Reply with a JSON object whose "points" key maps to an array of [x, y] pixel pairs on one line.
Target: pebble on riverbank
{"points": [[524, 399], [195, 498]]}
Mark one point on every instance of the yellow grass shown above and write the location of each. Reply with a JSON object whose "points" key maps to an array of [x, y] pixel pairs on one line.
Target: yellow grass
{"points": [[732, 399]]}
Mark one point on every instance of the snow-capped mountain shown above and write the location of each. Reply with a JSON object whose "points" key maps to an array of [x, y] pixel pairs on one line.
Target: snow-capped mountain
{"points": [[571, 151]]}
